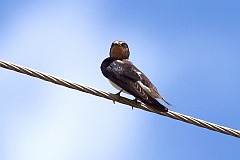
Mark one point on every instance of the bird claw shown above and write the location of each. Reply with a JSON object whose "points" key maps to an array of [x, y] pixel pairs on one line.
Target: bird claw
{"points": [[135, 100], [118, 94]]}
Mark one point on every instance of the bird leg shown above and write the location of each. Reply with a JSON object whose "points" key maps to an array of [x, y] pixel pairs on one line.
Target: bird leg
{"points": [[135, 99], [118, 94]]}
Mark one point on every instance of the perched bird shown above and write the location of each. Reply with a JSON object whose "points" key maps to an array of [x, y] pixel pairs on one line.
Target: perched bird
{"points": [[124, 76]]}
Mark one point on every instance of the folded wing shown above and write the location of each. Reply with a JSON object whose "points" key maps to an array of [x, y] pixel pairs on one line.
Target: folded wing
{"points": [[129, 78]]}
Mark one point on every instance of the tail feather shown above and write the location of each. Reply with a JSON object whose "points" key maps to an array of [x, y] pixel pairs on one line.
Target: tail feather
{"points": [[166, 101], [156, 104]]}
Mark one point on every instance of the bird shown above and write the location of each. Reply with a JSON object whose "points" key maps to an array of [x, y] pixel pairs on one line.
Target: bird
{"points": [[124, 76]]}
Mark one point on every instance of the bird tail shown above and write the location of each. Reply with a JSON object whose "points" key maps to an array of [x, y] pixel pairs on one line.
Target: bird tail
{"points": [[153, 102]]}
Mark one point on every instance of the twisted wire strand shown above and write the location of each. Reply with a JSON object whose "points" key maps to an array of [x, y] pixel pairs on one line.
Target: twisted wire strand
{"points": [[113, 97]]}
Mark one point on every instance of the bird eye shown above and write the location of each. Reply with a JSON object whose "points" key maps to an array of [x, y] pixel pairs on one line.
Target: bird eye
{"points": [[124, 45]]}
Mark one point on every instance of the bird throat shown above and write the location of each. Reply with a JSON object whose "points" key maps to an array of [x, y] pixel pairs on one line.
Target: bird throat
{"points": [[117, 52]]}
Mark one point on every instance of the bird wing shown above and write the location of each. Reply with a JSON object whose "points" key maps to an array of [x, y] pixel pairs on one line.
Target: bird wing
{"points": [[144, 82], [122, 74], [129, 78]]}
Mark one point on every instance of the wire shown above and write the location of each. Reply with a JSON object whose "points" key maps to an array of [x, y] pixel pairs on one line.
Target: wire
{"points": [[113, 97]]}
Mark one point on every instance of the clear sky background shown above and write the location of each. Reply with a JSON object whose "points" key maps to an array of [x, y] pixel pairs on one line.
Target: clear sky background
{"points": [[188, 48]]}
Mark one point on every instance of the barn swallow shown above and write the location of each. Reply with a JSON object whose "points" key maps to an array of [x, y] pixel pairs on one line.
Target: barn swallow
{"points": [[124, 76]]}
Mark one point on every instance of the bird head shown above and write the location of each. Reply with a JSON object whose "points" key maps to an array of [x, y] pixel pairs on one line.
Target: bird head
{"points": [[119, 50]]}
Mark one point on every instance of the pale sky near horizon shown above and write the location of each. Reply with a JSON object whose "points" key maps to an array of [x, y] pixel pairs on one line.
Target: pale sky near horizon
{"points": [[189, 50]]}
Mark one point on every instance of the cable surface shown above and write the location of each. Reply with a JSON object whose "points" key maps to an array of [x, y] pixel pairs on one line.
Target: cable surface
{"points": [[113, 97]]}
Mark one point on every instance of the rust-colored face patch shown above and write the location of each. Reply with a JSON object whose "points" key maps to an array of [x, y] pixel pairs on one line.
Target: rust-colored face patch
{"points": [[117, 52]]}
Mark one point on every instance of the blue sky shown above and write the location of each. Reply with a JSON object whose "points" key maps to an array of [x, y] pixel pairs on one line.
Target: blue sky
{"points": [[189, 49]]}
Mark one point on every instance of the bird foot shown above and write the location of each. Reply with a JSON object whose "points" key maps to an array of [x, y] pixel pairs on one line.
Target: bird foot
{"points": [[117, 94], [135, 99]]}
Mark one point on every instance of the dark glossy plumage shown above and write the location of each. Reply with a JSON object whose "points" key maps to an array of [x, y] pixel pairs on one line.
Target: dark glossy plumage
{"points": [[124, 74]]}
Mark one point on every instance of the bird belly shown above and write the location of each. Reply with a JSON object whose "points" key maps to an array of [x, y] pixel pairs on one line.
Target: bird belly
{"points": [[117, 87]]}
